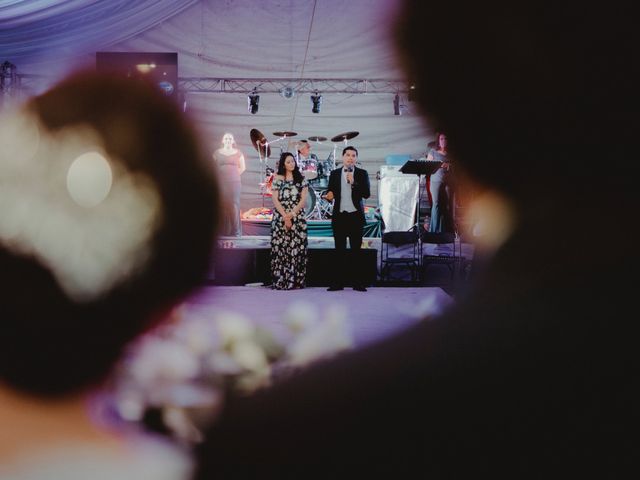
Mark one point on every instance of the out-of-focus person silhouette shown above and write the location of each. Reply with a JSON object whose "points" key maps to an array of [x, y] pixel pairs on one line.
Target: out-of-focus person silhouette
{"points": [[531, 373], [108, 209], [230, 164]]}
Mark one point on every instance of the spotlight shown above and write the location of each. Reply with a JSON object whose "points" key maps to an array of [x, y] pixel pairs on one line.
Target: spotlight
{"points": [[317, 101], [396, 105], [8, 75], [254, 100], [412, 92], [7, 69]]}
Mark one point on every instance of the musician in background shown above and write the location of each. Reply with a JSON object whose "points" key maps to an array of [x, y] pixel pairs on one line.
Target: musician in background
{"points": [[440, 189], [230, 164], [304, 152], [432, 144], [304, 157]]}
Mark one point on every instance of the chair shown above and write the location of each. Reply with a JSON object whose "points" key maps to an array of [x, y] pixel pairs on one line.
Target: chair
{"points": [[410, 261], [450, 258]]}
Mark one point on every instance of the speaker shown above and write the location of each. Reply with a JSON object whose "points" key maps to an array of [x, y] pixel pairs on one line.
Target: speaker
{"points": [[158, 67]]}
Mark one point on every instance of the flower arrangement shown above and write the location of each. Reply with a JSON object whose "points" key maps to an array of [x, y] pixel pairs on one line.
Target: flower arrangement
{"points": [[258, 213], [183, 370]]}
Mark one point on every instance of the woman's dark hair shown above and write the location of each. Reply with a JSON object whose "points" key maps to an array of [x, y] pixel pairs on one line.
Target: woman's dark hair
{"points": [[297, 175], [446, 146], [54, 345]]}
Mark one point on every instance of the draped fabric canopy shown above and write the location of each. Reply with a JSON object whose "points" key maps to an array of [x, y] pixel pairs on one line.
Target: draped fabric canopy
{"points": [[32, 29], [291, 39]]}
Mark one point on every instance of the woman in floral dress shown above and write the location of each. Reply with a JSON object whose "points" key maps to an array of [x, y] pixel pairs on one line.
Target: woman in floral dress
{"points": [[289, 226]]}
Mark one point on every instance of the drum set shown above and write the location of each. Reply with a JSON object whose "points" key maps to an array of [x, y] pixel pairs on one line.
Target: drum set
{"points": [[315, 171]]}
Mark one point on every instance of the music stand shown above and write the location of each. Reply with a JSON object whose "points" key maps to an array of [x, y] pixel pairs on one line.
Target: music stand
{"points": [[419, 167]]}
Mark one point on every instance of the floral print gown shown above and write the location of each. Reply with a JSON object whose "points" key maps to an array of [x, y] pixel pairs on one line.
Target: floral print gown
{"points": [[288, 247]]}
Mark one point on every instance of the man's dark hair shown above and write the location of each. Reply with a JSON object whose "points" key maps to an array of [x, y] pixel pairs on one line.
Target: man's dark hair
{"points": [[346, 149]]}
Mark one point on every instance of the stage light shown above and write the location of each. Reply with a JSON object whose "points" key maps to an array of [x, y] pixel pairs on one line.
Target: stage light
{"points": [[7, 69], [8, 82], [396, 105], [412, 92], [8, 75], [254, 100], [317, 101]]}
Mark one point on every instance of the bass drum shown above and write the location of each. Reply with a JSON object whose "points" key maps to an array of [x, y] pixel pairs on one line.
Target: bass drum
{"points": [[310, 204], [325, 206], [321, 182]]}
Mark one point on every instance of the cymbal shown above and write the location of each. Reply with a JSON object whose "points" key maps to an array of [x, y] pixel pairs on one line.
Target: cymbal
{"points": [[285, 134], [344, 136], [317, 139], [257, 138]]}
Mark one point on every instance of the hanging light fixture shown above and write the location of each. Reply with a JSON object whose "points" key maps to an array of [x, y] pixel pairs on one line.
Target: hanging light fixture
{"points": [[412, 92], [254, 100], [316, 100], [8, 76]]}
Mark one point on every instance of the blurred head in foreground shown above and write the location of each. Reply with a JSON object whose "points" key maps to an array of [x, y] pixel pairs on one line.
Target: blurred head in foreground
{"points": [[524, 94], [107, 221]]}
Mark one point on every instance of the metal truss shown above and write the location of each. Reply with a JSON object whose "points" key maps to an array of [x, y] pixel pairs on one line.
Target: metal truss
{"points": [[297, 85], [30, 82]]}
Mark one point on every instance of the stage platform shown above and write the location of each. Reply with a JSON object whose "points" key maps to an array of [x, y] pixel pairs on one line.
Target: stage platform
{"points": [[315, 228], [264, 241], [246, 260]]}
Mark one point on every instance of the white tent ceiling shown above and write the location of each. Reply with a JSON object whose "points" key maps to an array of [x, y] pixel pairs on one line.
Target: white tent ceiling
{"points": [[297, 39]]}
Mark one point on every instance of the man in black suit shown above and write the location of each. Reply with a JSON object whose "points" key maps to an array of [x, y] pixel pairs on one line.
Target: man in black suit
{"points": [[531, 374], [348, 219]]}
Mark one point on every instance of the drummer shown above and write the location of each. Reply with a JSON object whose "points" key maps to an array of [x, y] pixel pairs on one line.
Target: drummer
{"points": [[304, 154]]}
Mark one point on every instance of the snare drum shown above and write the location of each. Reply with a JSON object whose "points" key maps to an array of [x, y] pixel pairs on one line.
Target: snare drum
{"points": [[320, 182], [309, 169]]}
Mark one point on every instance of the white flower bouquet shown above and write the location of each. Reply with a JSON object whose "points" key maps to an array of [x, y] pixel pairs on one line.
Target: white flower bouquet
{"points": [[182, 371]]}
